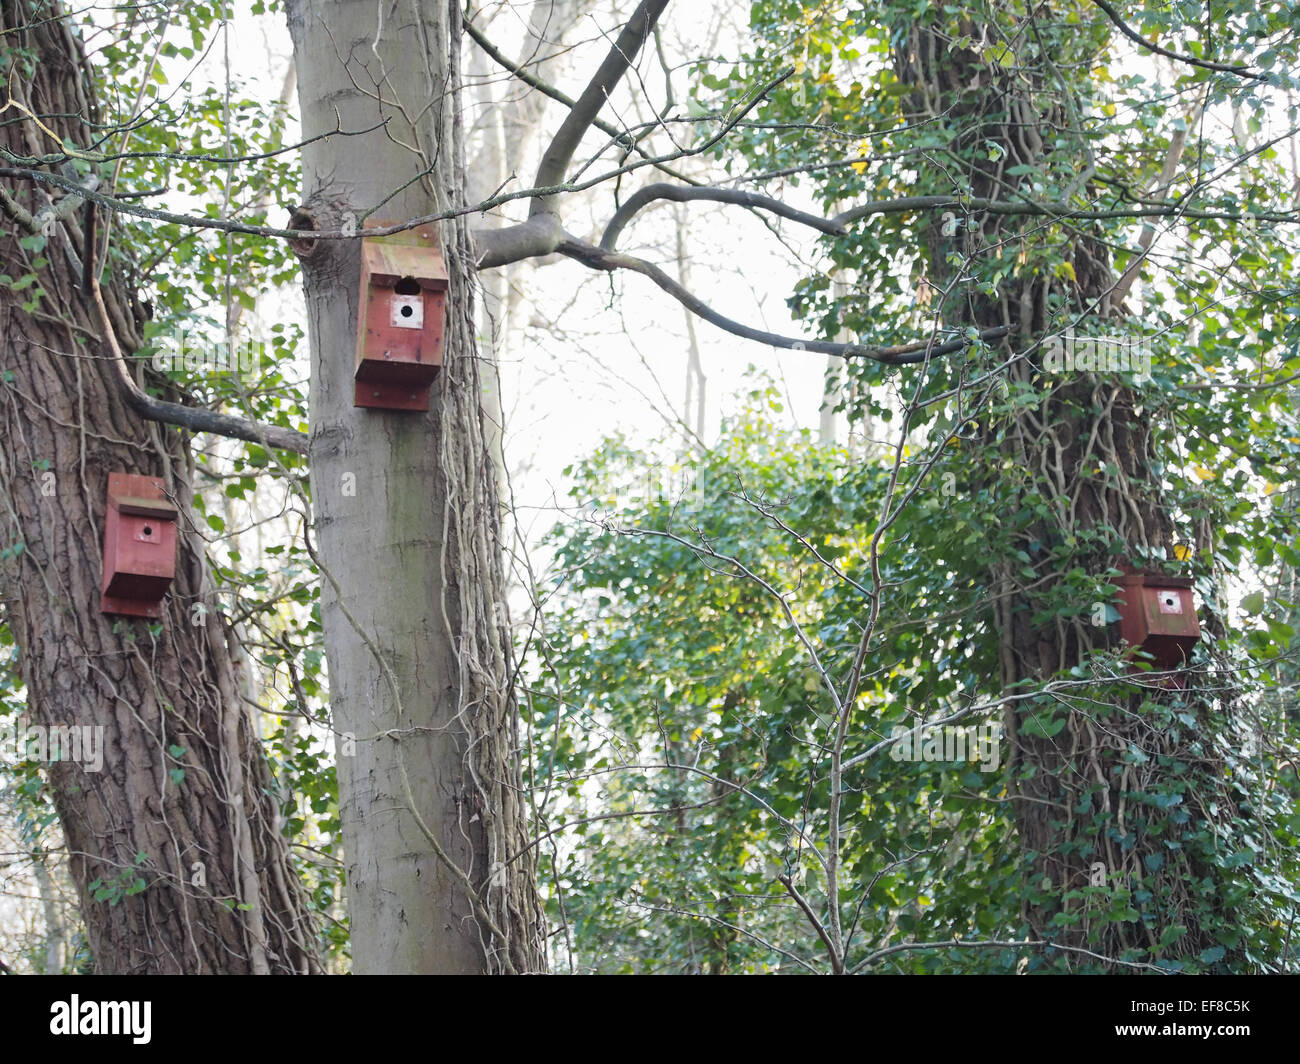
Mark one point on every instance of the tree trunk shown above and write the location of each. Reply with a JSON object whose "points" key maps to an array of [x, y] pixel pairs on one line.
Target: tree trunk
{"points": [[1078, 799], [55, 933], [191, 876], [440, 873]]}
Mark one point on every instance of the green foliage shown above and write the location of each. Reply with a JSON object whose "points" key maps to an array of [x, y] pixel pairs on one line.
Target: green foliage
{"points": [[122, 885], [679, 709]]}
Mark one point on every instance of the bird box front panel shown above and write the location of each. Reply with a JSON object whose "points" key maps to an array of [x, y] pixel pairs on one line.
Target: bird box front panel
{"points": [[1170, 611], [139, 546], [403, 336], [400, 320]]}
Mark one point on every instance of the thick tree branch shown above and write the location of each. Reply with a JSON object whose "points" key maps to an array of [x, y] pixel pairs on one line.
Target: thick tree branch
{"points": [[187, 417], [1137, 38], [678, 194], [540, 235], [558, 155], [599, 259], [623, 137]]}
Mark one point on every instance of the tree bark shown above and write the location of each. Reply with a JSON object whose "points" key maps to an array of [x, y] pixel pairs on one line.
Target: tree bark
{"points": [[440, 874], [220, 894]]}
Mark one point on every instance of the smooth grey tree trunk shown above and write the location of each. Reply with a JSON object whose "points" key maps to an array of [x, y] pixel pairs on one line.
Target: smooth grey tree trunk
{"points": [[440, 871]]}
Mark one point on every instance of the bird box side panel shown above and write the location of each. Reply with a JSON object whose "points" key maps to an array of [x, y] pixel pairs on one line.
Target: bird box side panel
{"points": [[1132, 620]]}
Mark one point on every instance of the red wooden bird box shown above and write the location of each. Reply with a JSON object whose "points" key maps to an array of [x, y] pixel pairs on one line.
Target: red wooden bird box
{"points": [[400, 318], [139, 546], [1156, 612]]}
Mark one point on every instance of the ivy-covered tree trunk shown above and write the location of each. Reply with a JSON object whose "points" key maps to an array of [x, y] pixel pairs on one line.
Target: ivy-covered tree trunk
{"points": [[173, 841], [440, 871], [1111, 783]]}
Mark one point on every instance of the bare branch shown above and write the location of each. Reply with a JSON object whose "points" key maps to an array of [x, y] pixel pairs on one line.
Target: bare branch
{"points": [[1063, 211], [59, 158], [1137, 38], [839, 222], [621, 136], [587, 107], [904, 947], [677, 194], [837, 961], [729, 926], [600, 259]]}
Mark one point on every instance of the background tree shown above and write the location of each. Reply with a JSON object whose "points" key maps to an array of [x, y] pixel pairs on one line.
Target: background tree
{"points": [[175, 846]]}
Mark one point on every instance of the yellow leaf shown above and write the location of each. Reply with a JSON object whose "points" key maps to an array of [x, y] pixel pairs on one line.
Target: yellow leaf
{"points": [[864, 149]]}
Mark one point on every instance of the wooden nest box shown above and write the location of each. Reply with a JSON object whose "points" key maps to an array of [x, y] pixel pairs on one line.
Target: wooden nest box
{"points": [[400, 318], [1156, 613], [139, 546]]}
